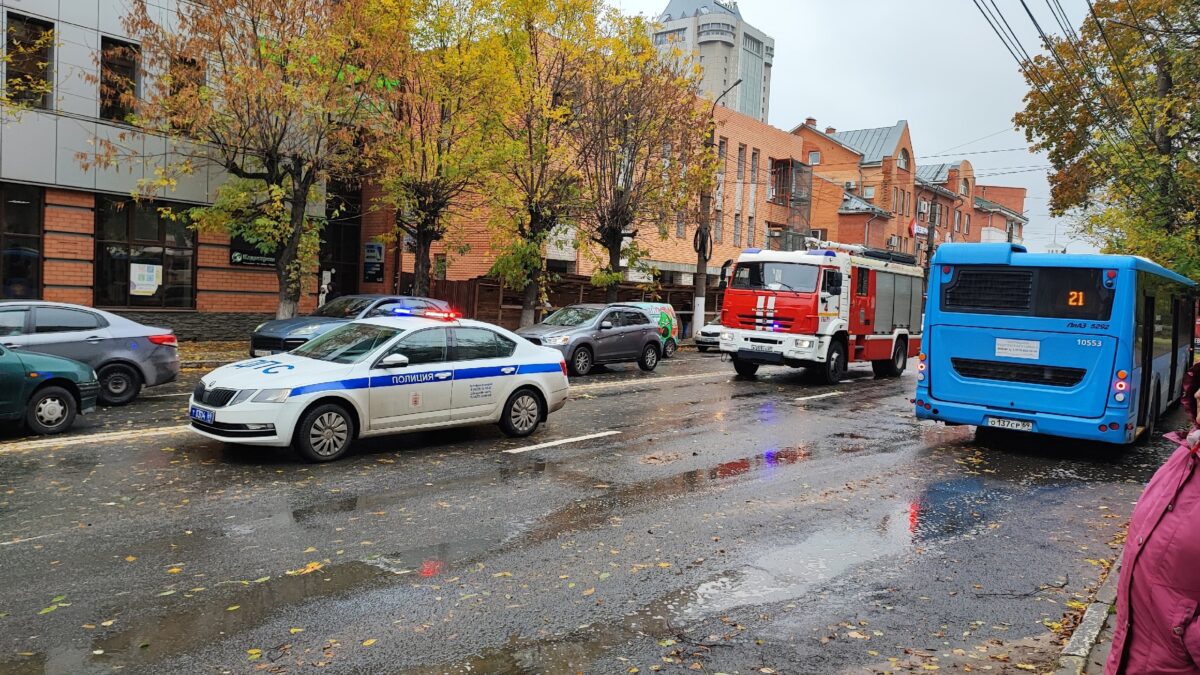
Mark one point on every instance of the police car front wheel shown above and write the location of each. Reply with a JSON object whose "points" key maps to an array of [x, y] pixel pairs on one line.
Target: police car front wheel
{"points": [[522, 413], [324, 434]]}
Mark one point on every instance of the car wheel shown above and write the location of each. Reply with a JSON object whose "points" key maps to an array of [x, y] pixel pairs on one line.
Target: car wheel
{"points": [[701, 349], [834, 368], [649, 358], [669, 348], [582, 361], [893, 367], [324, 433], [51, 410], [119, 384], [745, 368], [522, 414]]}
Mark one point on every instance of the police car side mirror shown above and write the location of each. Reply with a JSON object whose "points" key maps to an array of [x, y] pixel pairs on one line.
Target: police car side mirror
{"points": [[605, 325], [393, 361]]}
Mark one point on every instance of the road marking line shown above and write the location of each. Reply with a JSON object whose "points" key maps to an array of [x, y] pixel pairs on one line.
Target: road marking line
{"points": [[91, 438], [186, 393], [648, 380], [22, 541], [565, 441], [814, 397]]}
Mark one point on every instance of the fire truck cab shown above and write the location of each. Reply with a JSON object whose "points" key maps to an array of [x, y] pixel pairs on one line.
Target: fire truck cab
{"points": [[823, 309]]}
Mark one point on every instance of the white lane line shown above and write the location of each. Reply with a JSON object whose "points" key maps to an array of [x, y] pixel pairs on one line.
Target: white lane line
{"points": [[814, 397], [22, 541], [564, 441], [648, 380], [186, 393], [90, 439]]}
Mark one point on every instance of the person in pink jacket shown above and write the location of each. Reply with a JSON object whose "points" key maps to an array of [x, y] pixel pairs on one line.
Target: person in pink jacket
{"points": [[1158, 592]]}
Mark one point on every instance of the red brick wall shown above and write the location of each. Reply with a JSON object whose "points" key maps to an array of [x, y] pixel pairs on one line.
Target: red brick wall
{"points": [[68, 246]]}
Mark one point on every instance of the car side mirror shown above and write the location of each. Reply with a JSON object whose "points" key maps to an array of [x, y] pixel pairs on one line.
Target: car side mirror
{"points": [[605, 325], [393, 361]]}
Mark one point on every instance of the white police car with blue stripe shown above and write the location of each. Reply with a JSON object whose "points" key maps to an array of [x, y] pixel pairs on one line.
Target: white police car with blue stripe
{"points": [[381, 376]]}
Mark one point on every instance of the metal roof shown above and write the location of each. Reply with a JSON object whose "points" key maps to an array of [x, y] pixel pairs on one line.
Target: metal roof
{"points": [[874, 144], [683, 9], [936, 173], [985, 205], [852, 203]]}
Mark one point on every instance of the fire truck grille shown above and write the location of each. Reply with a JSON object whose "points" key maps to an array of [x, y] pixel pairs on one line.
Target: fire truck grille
{"points": [[763, 322], [990, 290], [1051, 376]]}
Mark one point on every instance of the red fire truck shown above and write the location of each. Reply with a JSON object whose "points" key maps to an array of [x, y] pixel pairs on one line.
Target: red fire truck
{"points": [[822, 309]]}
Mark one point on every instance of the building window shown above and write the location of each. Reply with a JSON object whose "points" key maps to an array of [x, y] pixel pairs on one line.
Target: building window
{"points": [[718, 226], [896, 200], [754, 165], [963, 187], [741, 162], [20, 241], [145, 254], [680, 228], [957, 221], [814, 157], [118, 79], [28, 50], [750, 235], [737, 229], [903, 160], [722, 153], [967, 223], [869, 192]]}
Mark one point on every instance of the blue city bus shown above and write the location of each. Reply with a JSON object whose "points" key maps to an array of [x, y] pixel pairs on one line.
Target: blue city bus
{"points": [[1083, 346]]}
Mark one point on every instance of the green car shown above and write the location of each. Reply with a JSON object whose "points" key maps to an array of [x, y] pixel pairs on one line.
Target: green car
{"points": [[47, 392]]}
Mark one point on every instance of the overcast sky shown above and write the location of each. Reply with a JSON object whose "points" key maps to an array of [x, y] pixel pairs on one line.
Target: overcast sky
{"points": [[855, 64]]}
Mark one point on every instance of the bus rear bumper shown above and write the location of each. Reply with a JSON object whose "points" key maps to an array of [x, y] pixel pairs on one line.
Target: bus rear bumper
{"points": [[1047, 424]]}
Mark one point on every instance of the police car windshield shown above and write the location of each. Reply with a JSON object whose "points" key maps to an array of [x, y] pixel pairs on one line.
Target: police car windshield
{"points": [[776, 276], [347, 307], [347, 344], [571, 316]]}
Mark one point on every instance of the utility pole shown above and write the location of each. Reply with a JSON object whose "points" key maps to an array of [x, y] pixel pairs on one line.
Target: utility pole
{"points": [[702, 242], [930, 233]]}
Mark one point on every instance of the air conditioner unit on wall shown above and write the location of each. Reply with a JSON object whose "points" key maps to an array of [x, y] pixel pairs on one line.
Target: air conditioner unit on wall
{"points": [[923, 207], [850, 185]]}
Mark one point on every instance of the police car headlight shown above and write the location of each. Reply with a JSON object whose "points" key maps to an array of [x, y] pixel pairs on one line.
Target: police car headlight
{"points": [[242, 396], [804, 344], [727, 337], [557, 340], [272, 396]]}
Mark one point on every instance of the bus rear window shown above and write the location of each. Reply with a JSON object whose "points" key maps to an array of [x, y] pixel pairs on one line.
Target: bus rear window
{"points": [[1048, 292]]}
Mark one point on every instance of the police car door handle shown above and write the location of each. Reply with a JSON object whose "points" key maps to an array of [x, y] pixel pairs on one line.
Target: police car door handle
{"points": [[509, 370]]}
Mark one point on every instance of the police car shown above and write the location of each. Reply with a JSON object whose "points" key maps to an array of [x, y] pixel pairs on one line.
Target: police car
{"points": [[381, 376]]}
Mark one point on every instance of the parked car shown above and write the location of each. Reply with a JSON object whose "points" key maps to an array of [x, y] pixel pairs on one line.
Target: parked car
{"points": [[125, 354], [284, 335], [380, 376], [45, 392], [668, 324], [710, 335], [592, 334]]}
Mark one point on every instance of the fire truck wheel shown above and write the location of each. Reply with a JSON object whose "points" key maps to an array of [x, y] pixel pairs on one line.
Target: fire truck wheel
{"points": [[834, 368], [649, 358], [894, 366], [745, 368]]}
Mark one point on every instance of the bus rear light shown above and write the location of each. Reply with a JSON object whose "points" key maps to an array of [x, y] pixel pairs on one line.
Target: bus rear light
{"points": [[1120, 397], [922, 356], [1111, 274], [1121, 385], [1103, 427], [921, 367], [945, 269], [1121, 374], [928, 406], [1114, 426], [920, 403], [920, 377]]}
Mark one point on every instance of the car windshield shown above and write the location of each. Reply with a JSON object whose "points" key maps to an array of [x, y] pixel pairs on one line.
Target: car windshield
{"points": [[347, 307], [347, 344], [571, 316], [776, 276]]}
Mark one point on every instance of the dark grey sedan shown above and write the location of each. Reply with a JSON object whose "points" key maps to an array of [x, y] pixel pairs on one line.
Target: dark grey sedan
{"points": [[284, 335], [125, 354]]}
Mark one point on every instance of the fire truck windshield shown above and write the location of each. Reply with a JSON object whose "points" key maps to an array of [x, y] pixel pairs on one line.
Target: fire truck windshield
{"points": [[776, 276]]}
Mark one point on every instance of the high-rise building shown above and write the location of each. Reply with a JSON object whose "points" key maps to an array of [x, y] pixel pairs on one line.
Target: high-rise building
{"points": [[726, 48]]}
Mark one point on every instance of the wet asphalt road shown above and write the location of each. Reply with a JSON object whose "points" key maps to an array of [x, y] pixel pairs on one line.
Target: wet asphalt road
{"points": [[732, 525]]}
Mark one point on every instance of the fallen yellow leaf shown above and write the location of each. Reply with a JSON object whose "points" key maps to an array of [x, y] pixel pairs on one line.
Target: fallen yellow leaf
{"points": [[368, 643], [310, 549], [130, 558], [293, 631], [664, 565], [108, 623], [307, 569], [233, 608], [589, 591], [175, 570], [1026, 666]]}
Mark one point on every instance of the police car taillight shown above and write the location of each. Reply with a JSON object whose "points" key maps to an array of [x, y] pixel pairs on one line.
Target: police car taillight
{"points": [[563, 366], [446, 316]]}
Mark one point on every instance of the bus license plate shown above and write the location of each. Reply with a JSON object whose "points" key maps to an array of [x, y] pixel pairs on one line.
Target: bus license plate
{"points": [[1015, 425], [201, 415]]}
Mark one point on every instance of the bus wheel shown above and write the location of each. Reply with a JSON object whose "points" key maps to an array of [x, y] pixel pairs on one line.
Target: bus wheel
{"points": [[745, 368], [894, 366], [834, 368]]}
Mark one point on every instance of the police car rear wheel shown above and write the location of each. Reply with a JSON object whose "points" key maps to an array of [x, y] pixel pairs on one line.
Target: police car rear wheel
{"points": [[325, 433], [522, 414]]}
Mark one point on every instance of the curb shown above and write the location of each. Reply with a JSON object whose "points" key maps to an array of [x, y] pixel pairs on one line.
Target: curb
{"points": [[1075, 655]]}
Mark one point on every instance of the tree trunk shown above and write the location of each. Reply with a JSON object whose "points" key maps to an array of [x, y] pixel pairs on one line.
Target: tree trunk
{"points": [[700, 277], [529, 299], [421, 265], [614, 266], [288, 269]]}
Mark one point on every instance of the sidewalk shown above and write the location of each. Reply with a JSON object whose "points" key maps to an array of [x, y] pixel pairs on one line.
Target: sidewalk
{"points": [[1087, 650], [212, 354]]}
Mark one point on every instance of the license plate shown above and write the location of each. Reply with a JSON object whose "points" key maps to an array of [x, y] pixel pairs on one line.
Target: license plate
{"points": [[263, 352], [761, 348], [201, 415], [1015, 425]]}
